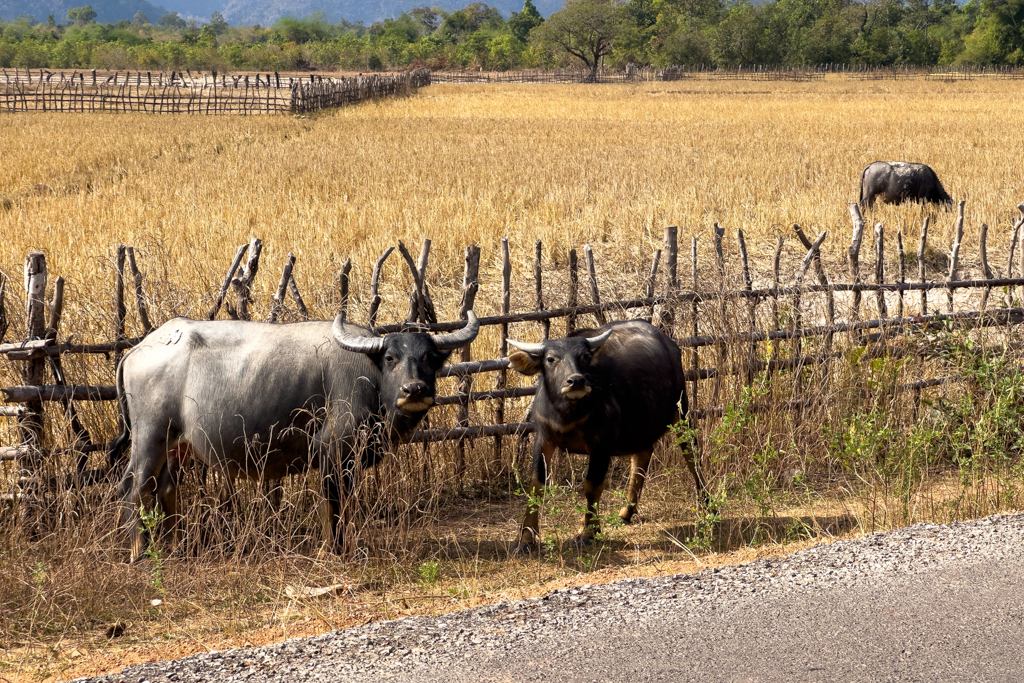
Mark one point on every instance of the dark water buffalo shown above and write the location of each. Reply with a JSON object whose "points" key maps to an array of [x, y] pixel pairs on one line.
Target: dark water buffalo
{"points": [[260, 400], [898, 181], [607, 392]]}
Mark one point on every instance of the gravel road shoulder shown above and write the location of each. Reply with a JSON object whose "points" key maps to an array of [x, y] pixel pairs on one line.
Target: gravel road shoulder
{"points": [[920, 603]]}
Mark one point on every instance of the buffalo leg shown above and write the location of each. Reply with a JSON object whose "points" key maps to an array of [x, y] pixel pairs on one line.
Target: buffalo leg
{"points": [[529, 533], [335, 481], [167, 497], [637, 479], [689, 448], [593, 487], [140, 483]]}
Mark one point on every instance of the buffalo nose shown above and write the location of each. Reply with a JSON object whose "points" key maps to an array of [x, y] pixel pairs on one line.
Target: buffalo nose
{"points": [[414, 389], [574, 381]]}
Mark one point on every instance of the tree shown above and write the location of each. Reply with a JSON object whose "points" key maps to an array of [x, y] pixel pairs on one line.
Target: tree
{"points": [[521, 23], [83, 15], [140, 19], [171, 21], [585, 29], [428, 17], [217, 24]]}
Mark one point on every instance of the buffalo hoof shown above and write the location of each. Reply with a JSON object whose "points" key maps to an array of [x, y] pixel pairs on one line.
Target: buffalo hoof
{"points": [[523, 550], [582, 541], [626, 514]]}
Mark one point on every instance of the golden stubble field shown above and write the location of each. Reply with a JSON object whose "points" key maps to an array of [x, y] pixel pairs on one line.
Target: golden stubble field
{"points": [[606, 165]]}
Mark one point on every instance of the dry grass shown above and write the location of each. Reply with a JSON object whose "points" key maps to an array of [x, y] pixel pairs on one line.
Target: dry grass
{"points": [[609, 165]]}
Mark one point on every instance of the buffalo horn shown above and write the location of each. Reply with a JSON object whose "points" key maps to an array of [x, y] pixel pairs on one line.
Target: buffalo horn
{"points": [[527, 347], [595, 342], [354, 342], [453, 340]]}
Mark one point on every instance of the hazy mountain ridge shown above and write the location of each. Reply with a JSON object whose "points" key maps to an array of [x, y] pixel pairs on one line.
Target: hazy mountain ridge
{"points": [[249, 12], [106, 10]]}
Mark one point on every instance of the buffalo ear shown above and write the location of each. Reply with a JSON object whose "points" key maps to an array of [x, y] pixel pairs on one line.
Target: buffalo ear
{"points": [[524, 363]]}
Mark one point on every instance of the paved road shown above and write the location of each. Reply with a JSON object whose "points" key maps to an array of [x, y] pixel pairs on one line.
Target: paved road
{"points": [[927, 603]]}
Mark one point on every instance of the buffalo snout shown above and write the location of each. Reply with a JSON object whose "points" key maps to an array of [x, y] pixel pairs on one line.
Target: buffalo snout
{"points": [[575, 386], [415, 397]]}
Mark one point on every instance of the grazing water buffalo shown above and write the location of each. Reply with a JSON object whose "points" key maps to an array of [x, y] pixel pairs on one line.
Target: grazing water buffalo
{"points": [[607, 392], [260, 400], [899, 181]]}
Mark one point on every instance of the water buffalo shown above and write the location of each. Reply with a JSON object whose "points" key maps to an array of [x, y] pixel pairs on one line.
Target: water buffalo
{"points": [[261, 400], [899, 181], [607, 392]]}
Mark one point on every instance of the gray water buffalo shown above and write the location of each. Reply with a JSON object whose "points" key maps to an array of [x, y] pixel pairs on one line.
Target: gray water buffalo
{"points": [[608, 392], [899, 181], [258, 400]]}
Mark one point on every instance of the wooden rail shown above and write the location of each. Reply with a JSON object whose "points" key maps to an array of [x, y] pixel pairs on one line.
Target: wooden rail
{"points": [[755, 338]]}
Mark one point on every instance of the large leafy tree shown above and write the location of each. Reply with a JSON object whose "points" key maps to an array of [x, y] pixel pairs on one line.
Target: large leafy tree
{"points": [[585, 29], [82, 15], [521, 23]]}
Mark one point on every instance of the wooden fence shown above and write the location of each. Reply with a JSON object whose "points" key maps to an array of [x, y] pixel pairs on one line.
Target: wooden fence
{"points": [[213, 93], [737, 343], [633, 74]]}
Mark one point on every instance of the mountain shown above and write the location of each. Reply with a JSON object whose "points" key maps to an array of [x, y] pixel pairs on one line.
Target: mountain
{"points": [[266, 12], [249, 12], [106, 10]]}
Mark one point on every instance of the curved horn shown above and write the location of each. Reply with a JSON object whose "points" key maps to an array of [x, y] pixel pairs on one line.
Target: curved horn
{"points": [[527, 347], [453, 340], [595, 342], [355, 342]]}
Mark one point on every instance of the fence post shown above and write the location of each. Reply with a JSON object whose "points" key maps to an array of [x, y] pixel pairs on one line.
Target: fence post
{"points": [[595, 294], [719, 233], [343, 285], [954, 254], [30, 420], [748, 285], [695, 326], [853, 255], [574, 285], [667, 321], [120, 311], [506, 299], [920, 262], [903, 272], [883, 311], [539, 285], [470, 285]]}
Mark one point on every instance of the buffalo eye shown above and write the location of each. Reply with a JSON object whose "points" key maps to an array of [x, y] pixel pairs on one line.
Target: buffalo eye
{"points": [[390, 359], [551, 360]]}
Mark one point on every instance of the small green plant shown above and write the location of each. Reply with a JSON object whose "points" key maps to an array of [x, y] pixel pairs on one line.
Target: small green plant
{"points": [[707, 519], [430, 573], [152, 521]]}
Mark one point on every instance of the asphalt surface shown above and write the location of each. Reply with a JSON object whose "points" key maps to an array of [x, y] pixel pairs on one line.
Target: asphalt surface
{"points": [[926, 603]]}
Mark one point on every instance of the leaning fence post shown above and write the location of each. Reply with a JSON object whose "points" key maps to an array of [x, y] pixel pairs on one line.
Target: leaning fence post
{"points": [[719, 233], [140, 295], [954, 252], [120, 312], [695, 326], [920, 262], [986, 270], [652, 278], [595, 294], [539, 285], [668, 317], [343, 279], [277, 303], [30, 420], [506, 300], [242, 284], [375, 287], [776, 283], [903, 272], [748, 286], [883, 311], [853, 255], [574, 285], [470, 285], [227, 282]]}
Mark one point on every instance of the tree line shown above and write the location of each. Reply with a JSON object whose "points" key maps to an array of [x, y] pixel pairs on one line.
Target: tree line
{"points": [[583, 33]]}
